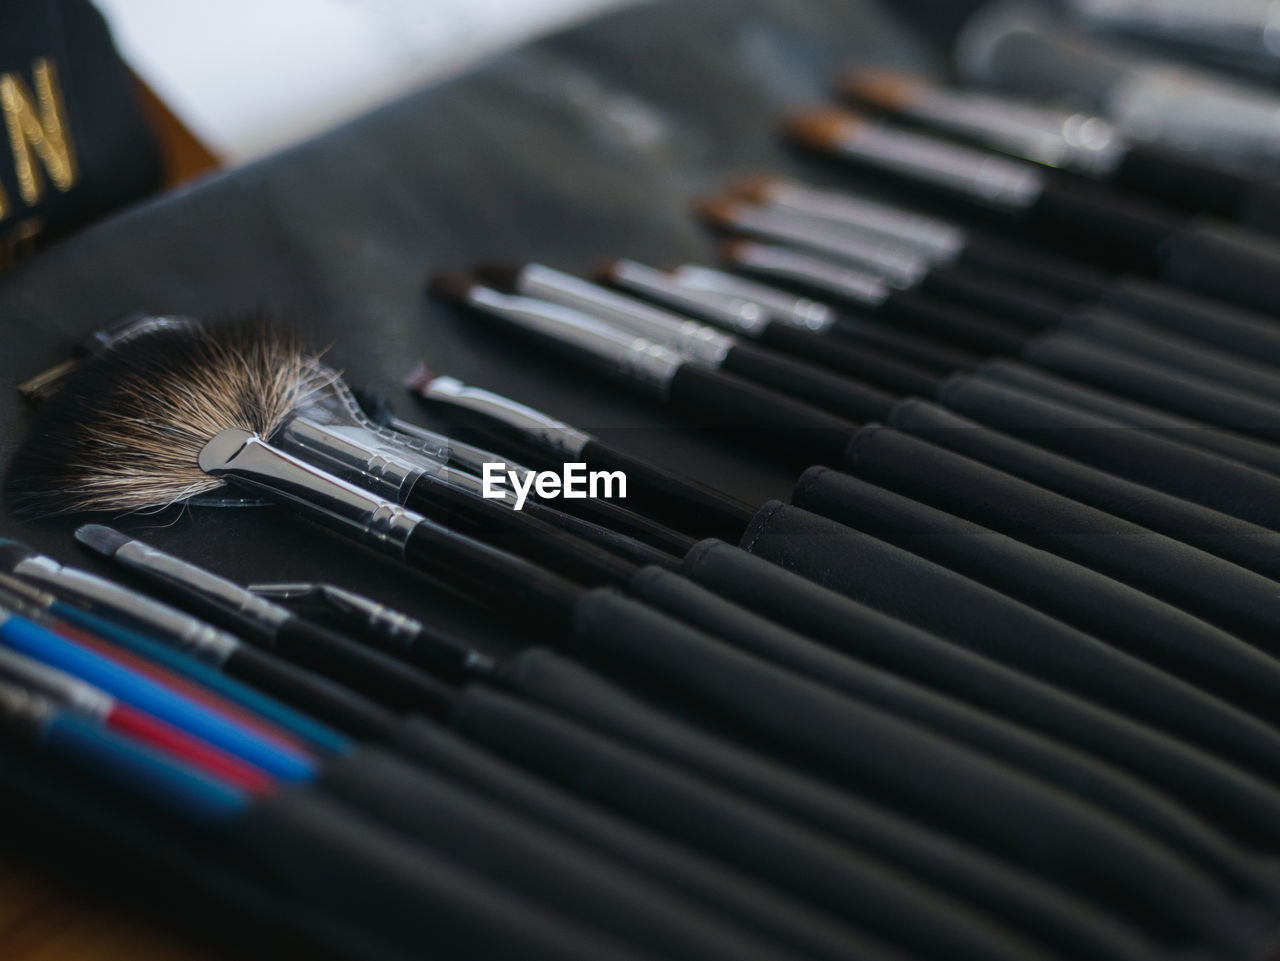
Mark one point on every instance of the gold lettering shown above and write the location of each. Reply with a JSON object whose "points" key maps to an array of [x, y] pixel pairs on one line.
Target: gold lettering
{"points": [[38, 128]]}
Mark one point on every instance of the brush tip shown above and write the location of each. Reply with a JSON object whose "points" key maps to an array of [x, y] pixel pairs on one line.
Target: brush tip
{"points": [[101, 539], [734, 250], [720, 211], [453, 286], [821, 128], [756, 189], [418, 378], [606, 271], [887, 90]]}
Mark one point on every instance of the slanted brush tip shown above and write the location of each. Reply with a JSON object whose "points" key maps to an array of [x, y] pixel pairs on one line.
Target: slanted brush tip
{"points": [[886, 90], [821, 128], [101, 539]]}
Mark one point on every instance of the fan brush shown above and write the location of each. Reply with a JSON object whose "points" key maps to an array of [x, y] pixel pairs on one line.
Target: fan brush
{"points": [[183, 411]]}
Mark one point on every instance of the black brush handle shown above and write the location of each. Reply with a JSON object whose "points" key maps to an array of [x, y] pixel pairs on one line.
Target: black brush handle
{"points": [[1008, 300], [520, 533], [955, 325], [680, 501], [388, 682], [803, 381], [878, 367], [1181, 180], [324, 700], [628, 548], [1102, 226], [1042, 270], [1223, 261], [923, 352], [532, 596], [764, 419]]}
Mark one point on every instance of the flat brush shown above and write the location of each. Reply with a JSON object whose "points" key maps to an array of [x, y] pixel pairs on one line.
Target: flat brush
{"points": [[295, 638], [623, 532], [699, 343], [1078, 143], [771, 421], [1097, 347], [912, 282], [1094, 223], [280, 630]]}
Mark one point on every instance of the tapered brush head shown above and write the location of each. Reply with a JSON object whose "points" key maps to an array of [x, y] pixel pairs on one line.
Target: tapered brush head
{"points": [[126, 430], [822, 129], [886, 90]]}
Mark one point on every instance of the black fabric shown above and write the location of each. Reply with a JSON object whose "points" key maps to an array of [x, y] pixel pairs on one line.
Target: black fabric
{"points": [[343, 865], [113, 151], [905, 585], [1244, 332], [1247, 450], [878, 367], [1135, 375], [1241, 805], [718, 819], [1000, 491], [762, 418], [684, 872], [566, 877], [1196, 476], [1181, 354], [808, 382], [1124, 617], [685, 504], [1233, 264]]}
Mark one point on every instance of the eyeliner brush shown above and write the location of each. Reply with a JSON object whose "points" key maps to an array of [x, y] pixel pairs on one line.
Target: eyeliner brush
{"points": [[279, 630], [1097, 224], [295, 638], [699, 343], [1080, 144], [914, 281], [773, 421]]}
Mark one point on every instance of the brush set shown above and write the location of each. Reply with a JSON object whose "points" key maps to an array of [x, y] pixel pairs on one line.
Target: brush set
{"points": [[999, 680]]}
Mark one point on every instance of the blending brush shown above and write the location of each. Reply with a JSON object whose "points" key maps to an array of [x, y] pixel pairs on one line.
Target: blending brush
{"points": [[1093, 222], [1075, 142]]}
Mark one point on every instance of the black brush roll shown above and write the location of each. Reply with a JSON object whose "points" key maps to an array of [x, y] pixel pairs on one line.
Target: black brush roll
{"points": [[1237, 803], [987, 622], [1246, 450], [1083, 358], [1190, 565]]}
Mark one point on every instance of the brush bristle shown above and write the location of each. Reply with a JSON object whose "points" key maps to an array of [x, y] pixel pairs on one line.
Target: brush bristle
{"points": [[758, 189], [126, 430], [882, 89], [718, 211], [821, 129]]}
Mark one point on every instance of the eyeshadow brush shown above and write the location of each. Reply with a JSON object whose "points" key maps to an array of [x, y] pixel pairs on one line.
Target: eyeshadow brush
{"points": [[1211, 257], [1077, 143]]}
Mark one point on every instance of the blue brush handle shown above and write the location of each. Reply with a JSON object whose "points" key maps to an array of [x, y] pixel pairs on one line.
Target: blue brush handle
{"points": [[157, 779], [146, 695], [318, 735]]}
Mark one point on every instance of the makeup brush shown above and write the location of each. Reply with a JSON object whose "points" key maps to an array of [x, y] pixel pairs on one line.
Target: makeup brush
{"points": [[632, 536], [296, 639], [683, 502], [699, 343], [912, 282], [1102, 226], [1079, 143]]}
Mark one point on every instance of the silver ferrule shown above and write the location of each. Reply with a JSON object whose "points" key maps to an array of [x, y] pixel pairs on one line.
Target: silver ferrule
{"points": [[333, 405], [193, 636], [993, 180], [394, 625], [793, 265], [930, 237], [228, 594], [544, 429], [778, 305], [1053, 138], [244, 459], [466, 458], [697, 342], [729, 311], [66, 690], [898, 265], [1247, 27], [354, 456], [640, 360]]}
